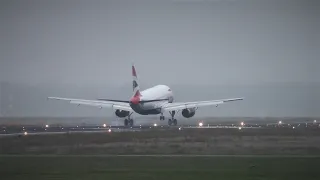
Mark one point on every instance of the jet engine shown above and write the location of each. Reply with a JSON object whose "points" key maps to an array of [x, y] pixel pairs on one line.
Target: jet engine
{"points": [[121, 113], [189, 112]]}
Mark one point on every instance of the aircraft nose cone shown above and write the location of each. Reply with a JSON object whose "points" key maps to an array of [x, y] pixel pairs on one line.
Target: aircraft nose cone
{"points": [[135, 100]]}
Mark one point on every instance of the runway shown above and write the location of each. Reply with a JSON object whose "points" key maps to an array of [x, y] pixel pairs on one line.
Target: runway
{"points": [[219, 139], [48, 129]]}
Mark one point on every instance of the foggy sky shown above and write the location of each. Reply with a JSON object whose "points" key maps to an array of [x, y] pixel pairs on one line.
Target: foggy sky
{"points": [[189, 42]]}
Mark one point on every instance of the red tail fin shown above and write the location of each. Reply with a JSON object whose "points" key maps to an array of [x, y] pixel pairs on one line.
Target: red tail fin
{"points": [[136, 89]]}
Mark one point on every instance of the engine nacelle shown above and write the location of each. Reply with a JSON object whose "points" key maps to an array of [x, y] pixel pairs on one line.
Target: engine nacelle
{"points": [[121, 113], [189, 112]]}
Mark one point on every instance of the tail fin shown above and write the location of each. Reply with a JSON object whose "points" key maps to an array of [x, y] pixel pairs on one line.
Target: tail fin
{"points": [[136, 89]]}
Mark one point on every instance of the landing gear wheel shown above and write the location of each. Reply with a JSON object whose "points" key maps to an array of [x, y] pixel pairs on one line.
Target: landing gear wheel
{"points": [[126, 122], [161, 118], [175, 122], [131, 122], [172, 121]]}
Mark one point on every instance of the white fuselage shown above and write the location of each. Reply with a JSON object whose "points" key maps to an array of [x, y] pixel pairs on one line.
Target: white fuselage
{"points": [[156, 92]]}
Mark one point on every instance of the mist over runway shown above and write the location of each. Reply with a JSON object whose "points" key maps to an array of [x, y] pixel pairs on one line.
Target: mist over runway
{"points": [[265, 51], [268, 100]]}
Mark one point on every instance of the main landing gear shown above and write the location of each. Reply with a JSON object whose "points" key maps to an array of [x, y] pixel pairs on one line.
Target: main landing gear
{"points": [[162, 117], [129, 121], [172, 121]]}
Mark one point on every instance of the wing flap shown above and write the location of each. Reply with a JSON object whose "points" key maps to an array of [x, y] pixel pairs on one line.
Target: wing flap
{"points": [[196, 104], [101, 104]]}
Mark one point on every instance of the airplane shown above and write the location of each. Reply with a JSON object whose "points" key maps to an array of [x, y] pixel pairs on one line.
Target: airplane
{"points": [[155, 100]]}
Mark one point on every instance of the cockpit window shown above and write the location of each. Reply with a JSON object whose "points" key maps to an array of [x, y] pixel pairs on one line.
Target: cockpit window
{"points": [[169, 89]]}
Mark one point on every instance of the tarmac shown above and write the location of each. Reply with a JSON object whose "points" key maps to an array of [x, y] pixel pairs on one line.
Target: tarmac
{"points": [[52, 129]]}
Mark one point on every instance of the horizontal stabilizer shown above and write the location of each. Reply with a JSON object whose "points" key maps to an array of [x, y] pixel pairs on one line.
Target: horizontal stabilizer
{"points": [[154, 100], [143, 101], [113, 100]]}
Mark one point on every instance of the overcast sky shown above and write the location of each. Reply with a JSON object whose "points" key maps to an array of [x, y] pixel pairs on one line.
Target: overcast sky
{"points": [[170, 41], [190, 42]]}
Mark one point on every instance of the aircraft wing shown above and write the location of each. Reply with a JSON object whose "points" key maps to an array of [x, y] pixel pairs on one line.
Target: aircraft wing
{"points": [[195, 104], [97, 103]]}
